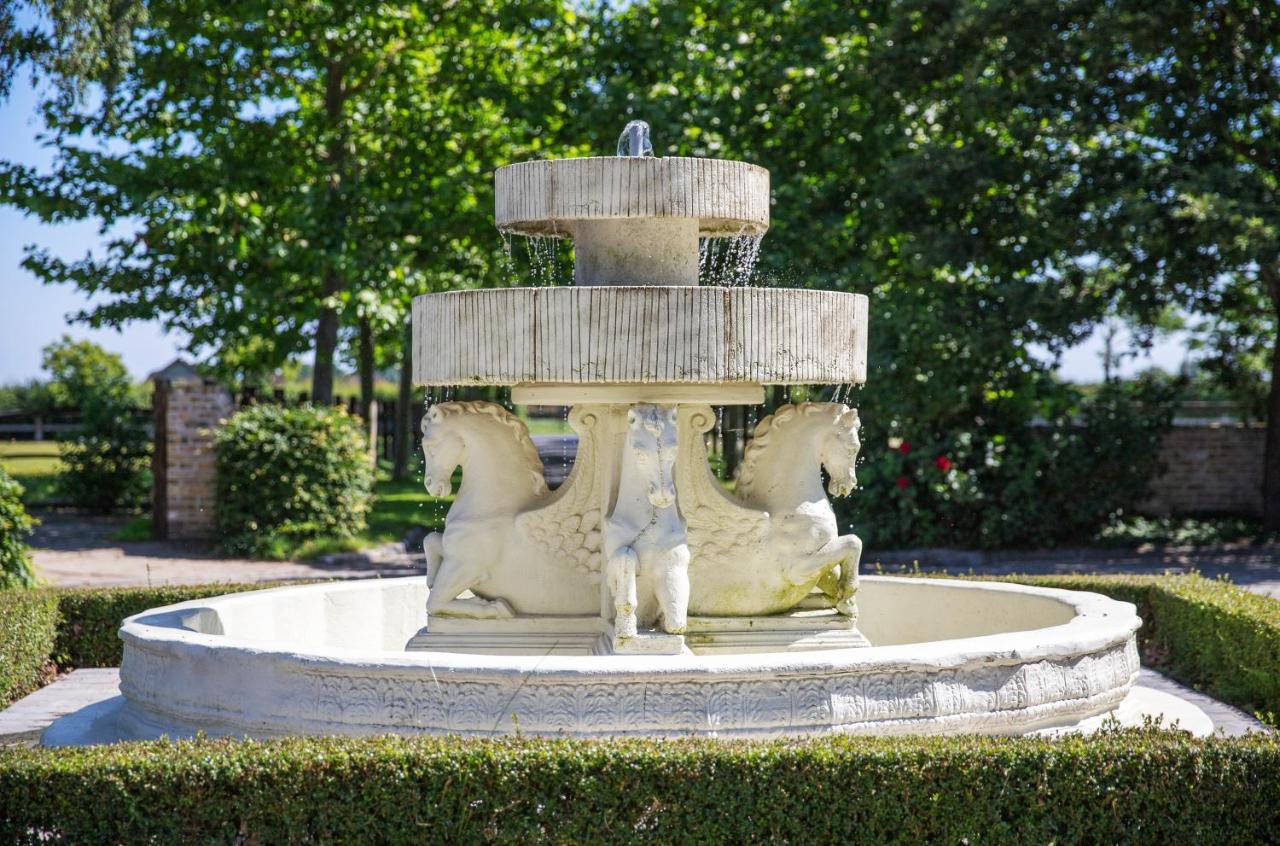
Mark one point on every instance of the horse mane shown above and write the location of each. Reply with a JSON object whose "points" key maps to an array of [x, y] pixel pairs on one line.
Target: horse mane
{"points": [[500, 415], [765, 431]]}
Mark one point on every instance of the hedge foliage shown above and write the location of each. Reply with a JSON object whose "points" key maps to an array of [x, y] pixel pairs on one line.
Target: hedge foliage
{"points": [[15, 528], [28, 630], [289, 474], [1138, 786]]}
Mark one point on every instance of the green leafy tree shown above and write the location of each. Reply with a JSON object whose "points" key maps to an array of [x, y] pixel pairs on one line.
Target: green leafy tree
{"points": [[295, 169], [1148, 133], [106, 465]]}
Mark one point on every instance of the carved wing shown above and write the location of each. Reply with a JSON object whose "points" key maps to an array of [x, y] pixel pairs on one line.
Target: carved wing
{"points": [[569, 526], [717, 524]]}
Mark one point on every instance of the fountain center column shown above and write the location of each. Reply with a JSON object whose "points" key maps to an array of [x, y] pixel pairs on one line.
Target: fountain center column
{"points": [[628, 251]]}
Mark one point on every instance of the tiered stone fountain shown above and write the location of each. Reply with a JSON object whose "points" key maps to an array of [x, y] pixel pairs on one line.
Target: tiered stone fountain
{"points": [[641, 550], [639, 597]]}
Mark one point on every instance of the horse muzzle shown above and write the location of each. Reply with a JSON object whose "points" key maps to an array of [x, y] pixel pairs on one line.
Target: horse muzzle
{"points": [[439, 487]]}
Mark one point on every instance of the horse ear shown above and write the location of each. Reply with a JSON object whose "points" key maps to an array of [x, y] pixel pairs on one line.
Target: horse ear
{"points": [[850, 418]]}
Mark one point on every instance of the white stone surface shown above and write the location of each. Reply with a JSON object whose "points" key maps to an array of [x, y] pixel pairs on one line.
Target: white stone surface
{"points": [[765, 547], [612, 335], [327, 659], [95, 721], [548, 197]]}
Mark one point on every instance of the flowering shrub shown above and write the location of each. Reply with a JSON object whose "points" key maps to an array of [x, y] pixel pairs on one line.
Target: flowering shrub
{"points": [[1058, 481]]}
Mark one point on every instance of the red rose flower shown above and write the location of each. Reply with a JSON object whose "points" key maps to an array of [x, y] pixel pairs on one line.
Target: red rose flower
{"points": [[904, 447], [903, 482], [943, 463]]}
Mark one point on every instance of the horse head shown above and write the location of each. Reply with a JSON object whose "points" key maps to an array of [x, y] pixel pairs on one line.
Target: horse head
{"points": [[443, 449], [651, 440], [838, 450]]}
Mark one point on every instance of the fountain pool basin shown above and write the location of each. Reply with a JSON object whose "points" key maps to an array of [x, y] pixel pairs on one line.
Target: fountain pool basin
{"points": [[947, 657]]}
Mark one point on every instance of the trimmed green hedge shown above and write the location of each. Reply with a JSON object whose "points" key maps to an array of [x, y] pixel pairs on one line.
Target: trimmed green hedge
{"points": [[1140, 786], [28, 629]]}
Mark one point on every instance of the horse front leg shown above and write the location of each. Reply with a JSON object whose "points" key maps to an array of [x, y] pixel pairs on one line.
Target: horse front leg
{"points": [[433, 549], [452, 578], [622, 566], [841, 581], [673, 591]]}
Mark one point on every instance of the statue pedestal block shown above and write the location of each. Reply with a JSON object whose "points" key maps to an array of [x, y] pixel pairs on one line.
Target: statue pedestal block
{"points": [[516, 636], [796, 631]]}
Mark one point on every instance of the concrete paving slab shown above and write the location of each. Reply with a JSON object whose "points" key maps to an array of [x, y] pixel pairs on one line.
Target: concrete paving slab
{"points": [[22, 723]]}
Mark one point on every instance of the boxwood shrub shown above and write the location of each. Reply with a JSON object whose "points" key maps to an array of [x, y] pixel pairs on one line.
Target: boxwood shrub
{"points": [[1139, 786], [291, 474], [28, 630], [15, 528]]}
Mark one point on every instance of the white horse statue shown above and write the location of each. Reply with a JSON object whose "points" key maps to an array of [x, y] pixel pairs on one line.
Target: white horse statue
{"points": [[647, 564], [763, 549], [517, 547]]}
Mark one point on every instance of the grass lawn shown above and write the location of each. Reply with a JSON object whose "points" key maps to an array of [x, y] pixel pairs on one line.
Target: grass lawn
{"points": [[35, 465]]}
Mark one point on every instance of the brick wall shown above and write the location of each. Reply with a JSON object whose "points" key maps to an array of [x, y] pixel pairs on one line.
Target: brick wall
{"points": [[186, 413], [1210, 468]]}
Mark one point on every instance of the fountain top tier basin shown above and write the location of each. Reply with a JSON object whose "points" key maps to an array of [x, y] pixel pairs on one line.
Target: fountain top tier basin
{"points": [[946, 656], [551, 197]]}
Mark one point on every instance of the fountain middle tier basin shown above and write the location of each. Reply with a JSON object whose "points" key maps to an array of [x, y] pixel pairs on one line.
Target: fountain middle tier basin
{"points": [[640, 335], [946, 656]]}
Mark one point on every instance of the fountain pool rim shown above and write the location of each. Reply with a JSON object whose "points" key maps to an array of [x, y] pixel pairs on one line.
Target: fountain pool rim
{"points": [[179, 676]]}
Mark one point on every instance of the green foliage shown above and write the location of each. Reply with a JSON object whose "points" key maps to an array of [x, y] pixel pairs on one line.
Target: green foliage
{"points": [[329, 172], [1142, 786], [996, 486], [137, 529], [106, 465], [28, 628], [15, 528], [287, 475]]}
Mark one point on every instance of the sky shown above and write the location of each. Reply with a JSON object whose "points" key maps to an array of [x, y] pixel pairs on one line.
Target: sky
{"points": [[33, 315]]}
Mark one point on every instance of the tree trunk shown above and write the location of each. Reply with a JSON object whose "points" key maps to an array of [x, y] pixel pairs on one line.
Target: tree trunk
{"points": [[335, 96], [326, 345], [404, 408], [1271, 463], [365, 357]]}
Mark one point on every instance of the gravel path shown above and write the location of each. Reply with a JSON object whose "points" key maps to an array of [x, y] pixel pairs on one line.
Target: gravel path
{"points": [[78, 551]]}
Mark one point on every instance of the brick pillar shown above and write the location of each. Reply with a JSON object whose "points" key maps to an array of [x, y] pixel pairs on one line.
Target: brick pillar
{"points": [[187, 412]]}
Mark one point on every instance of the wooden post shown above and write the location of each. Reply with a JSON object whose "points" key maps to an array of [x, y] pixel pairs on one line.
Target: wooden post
{"points": [[373, 433]]}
